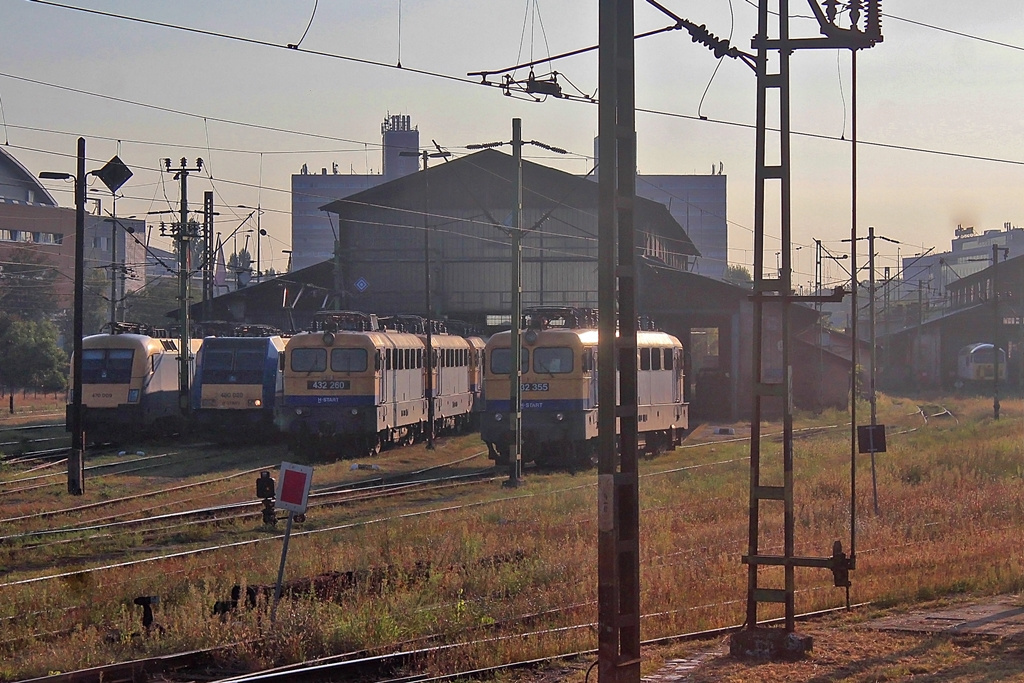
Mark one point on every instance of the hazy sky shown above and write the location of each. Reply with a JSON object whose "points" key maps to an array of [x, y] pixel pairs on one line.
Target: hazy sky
{"points": [[922, 88]]}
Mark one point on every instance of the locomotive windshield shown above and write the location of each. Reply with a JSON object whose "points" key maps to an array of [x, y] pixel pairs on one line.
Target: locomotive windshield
{"points": [[348, 360], [309, 360], [553, 360], [233, 366], [107, 366], [500, 364]]}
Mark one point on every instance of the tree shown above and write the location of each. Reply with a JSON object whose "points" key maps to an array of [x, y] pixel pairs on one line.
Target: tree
{"points": [[240, 261], [738, 275], [27, 285], [95, 301], [150, 304], [30, 356]]}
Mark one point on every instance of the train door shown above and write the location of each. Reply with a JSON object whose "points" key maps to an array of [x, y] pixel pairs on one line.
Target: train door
{"points": [[380, 376], [674, 362], [590, 370], [644, 377]]}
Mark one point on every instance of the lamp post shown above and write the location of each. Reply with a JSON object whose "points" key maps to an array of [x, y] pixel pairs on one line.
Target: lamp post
{"points": [[428, 365], [259, 231], [516, 232], [76, 461]]}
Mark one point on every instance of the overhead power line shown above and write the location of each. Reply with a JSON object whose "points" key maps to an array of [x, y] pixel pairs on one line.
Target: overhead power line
{"points": [[460, 79]]}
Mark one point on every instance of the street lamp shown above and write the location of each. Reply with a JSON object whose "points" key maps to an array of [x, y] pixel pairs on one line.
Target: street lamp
{"points": [[259, 231], [76, 461], [428, 366]]}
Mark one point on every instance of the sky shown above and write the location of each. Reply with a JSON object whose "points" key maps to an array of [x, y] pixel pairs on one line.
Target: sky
{"points": [[938, 115]]}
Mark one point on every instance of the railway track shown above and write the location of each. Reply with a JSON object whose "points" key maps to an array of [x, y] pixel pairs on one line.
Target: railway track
{"points": [[368, 489], [361, 665]]}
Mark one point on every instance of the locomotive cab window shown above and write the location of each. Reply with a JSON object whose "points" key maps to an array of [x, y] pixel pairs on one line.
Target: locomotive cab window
{"points": [[669, 355], [645, 359], [501, 361], [349, 360], [555, 360], [107, 366], [309, 360], [655, 359]]}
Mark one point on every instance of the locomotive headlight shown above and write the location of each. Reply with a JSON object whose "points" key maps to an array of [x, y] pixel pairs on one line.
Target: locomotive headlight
{"points": [[498, 417], [302, 411], [559, 417], [355, 411], [133, 395], [255, 402]]}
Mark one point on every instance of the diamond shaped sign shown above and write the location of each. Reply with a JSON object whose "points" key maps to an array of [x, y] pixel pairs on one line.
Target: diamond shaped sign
{"points": [[362, 285], [114, 174]]}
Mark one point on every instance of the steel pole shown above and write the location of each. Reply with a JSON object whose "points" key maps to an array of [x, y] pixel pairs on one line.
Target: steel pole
{"points": [[995, 334], [873, 358], [76, 461], [113, 263], [429, 365]]}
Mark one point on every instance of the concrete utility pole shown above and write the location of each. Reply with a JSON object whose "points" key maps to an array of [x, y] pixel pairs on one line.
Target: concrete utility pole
{"points": [[183, 237], [515, 377], [995, 329], [516, 232], [618, 505], [208, 255]]}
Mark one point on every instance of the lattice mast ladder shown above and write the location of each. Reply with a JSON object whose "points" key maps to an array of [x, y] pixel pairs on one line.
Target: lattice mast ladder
{"points": [[773, 298]]}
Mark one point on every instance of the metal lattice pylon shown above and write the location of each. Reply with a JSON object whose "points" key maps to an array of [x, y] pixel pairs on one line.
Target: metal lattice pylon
{"points": [[773, 297]]}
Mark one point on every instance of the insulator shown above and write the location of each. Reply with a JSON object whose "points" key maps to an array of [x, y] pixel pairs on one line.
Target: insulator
{"points": [[874, 20], [831, 9], [854, 12]]}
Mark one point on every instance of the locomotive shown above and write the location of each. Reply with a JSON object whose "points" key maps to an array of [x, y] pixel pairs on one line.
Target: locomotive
{"points": [[237, 382], [130, 382], [559, 389], [353, 386], [977, 363]]}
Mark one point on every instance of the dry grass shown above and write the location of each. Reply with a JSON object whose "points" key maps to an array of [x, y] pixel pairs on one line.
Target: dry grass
{"points": [[480, 561]]}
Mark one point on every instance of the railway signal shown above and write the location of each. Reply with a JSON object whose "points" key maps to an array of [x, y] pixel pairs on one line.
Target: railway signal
{"points": [[292, 494]]}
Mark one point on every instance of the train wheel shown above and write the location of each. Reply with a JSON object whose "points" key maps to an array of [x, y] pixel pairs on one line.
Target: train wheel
{"points": [[372, 446]]}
